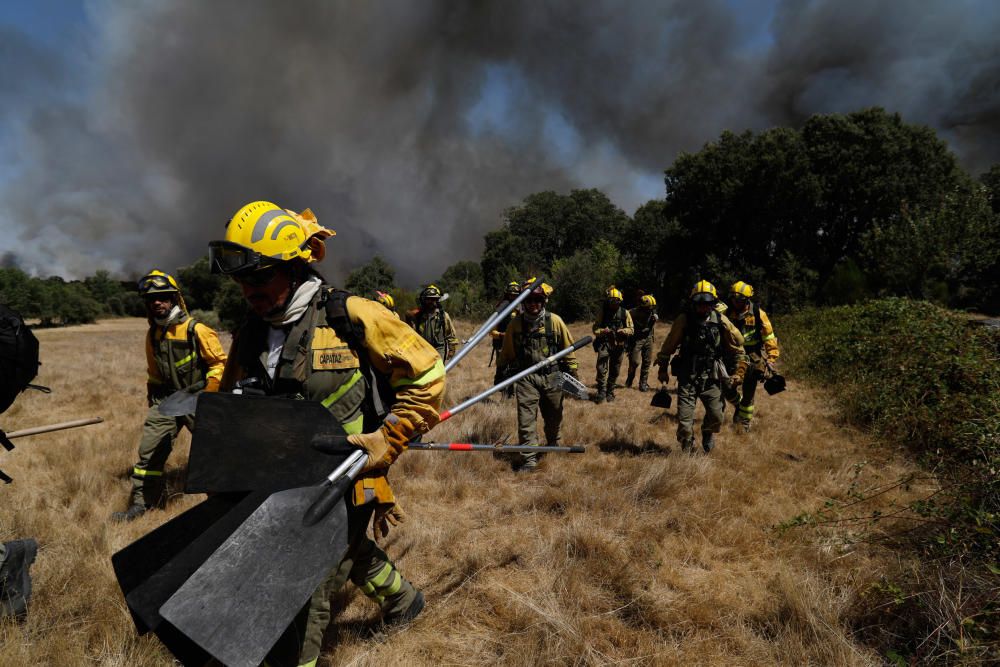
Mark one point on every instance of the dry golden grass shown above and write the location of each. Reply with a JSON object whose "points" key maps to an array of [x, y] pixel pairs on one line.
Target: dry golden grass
{"points": [[629, 554]]}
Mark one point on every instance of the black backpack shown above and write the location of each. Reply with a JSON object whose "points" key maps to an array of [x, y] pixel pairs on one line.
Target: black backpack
{"points": [[18, 356]]}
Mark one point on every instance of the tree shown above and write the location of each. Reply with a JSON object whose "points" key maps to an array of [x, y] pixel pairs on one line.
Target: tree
{"points": [[375, 275], [230, 305], [579, 281], [198, 284], [464, 282]]}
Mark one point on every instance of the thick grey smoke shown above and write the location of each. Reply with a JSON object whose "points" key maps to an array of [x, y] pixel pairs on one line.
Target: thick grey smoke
{"points": [[409, 126]]}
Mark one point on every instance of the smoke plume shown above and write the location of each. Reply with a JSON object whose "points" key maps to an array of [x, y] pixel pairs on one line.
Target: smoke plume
{"points": [[409, 126]]}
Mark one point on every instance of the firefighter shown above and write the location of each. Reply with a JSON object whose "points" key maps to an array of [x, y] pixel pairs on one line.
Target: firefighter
{"points": [[432, 322], [759, 343], [386, 300], [180, 354], [303, 338], [640, 346], [496, 334], [611, 332], [531, 337], [706, 339]]}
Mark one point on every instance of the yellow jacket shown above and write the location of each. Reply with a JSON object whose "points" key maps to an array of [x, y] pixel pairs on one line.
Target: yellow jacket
{"points": [[747, 323], [541, 344], [731, 339], [210, 351]]}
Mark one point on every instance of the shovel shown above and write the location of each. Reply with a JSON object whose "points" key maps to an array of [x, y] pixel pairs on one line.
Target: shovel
{"points": [[662, 398]]}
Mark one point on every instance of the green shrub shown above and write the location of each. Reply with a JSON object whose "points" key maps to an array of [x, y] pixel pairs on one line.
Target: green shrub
{"points": [[927, 378]]}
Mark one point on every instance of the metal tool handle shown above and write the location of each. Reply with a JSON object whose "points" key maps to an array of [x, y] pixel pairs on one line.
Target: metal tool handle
{"points": [[447, 414], [485, 329], [336, 485], [469, 447]]}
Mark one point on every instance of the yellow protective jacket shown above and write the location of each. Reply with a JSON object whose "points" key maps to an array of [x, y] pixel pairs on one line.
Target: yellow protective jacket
{"points": [[526, 344], [436, 328], [731, 341], [181, 355], [620, 323], [758, 334], [318, 365]]}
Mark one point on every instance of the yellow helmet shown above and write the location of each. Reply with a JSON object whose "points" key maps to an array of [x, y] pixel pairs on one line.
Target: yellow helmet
{"points": [[263, 233], [648, 301], [704, 291], [430, 292], [385, 299], [544, 289], [157, 282], [513, 288], [740, 288], [613, 293]]}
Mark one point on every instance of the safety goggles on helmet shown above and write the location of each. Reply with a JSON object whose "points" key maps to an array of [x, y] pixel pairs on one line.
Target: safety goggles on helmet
{"points": [[155, 283], [256, 278], [230, 258], [703, 297]]}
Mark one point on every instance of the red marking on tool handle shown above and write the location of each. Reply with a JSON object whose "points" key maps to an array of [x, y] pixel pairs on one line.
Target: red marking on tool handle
{"points": [[444, 415], [460, 446]]}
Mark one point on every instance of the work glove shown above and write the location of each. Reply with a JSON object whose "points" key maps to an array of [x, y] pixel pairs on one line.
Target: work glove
{"points": [[212, 384], [604, 333], [386, 444], [736, 381], [386, 516], [663, 373]]}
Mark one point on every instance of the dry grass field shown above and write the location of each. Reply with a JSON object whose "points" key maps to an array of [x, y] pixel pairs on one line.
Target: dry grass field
{"points": [[632, 553]]}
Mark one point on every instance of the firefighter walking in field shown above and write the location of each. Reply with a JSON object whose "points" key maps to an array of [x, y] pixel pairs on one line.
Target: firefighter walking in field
{"points": [[531, 337], [611, 332], [640, 345], [180, 354], [706, 339], [306, 339], [432, 322], [759, 343]]}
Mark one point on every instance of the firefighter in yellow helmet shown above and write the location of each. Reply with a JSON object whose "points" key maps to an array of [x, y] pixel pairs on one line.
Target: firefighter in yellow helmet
{"points": [[640, 345], [531, 337], [386, 300], [431, 321], [180, 354], [612, 330], [510, 293], [760, 344], [303, 338], [706, 339]]}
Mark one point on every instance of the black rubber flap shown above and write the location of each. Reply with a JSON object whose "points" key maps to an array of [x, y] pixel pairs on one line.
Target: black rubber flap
{"points": [[244, 596], [774, 384], [145, 600], [248, 443], [140, 560], [661, 399], [178, 404]]}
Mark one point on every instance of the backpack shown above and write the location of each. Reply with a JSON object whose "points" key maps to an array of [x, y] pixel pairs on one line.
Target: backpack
{"points": [[18, 356]]}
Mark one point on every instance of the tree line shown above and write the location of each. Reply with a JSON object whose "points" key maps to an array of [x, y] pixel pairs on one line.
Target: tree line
{"points": [[846, 208]]}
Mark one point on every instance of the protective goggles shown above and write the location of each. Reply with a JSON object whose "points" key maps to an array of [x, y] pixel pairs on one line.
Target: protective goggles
{"points": [[227, 258], [155, 284]]}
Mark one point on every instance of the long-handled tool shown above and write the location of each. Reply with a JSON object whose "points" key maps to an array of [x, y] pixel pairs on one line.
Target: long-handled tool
{"points": [[498, 314], [5, 438], [501, 449]]}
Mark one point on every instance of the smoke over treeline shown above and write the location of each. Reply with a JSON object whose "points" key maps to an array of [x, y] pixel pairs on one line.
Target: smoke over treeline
{"points": [[410, 127]]}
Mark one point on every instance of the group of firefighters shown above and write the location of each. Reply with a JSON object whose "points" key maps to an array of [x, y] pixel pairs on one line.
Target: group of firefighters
{"points": [[383, 377]]}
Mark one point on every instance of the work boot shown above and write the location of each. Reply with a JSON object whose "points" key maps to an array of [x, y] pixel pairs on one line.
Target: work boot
{"points": [[599, 397], [15, 580], [131, 514], [408, 615], [644, 387], [707, 441], [687, 446], [610, 396]]}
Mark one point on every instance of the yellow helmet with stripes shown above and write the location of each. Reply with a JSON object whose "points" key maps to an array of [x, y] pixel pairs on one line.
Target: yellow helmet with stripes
{"points": [[262, 233], [613, 293], [704, 291], [647, 301], [742, 289]]}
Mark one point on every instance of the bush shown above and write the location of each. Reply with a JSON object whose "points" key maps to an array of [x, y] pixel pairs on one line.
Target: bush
{"points": [[926, 378]]}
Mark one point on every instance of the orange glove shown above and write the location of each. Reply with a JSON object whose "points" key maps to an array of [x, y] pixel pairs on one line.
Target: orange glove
{"points": [[212, 384], [386, 516], [386, 444]]}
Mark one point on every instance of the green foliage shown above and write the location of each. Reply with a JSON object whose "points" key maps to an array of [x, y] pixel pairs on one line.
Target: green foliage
{"points": [[230, 306], [463, 281], [926, 378], [846, 284], [198, 284], [375, 275], [580, 280]]}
